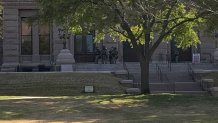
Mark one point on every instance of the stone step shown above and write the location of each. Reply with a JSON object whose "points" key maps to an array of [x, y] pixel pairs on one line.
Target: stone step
{"points": [[126, 83], [133, 91], [192, 92], [206, 66], [121, 74], [183, 76], [177, 86], [159, 92], [98, 67], [187, 86], [160, 87], [182, 92], [8, 69], [137, 66]]}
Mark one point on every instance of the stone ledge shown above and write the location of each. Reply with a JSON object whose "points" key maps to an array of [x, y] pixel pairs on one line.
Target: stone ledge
{"points": [[133, 91], [207, 84], [214, 91], [120, 72], [126, 83]]}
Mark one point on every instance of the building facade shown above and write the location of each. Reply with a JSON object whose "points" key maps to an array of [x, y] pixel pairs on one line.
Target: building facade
{"points": [[36, 44]]}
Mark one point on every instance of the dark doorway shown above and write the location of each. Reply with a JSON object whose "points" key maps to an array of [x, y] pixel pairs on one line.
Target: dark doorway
{"points": [[84, 48], [129, 54], [179, 54]]}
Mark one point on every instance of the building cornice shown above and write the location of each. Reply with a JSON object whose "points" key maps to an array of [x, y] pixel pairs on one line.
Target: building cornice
{"points": [[19, 4]]}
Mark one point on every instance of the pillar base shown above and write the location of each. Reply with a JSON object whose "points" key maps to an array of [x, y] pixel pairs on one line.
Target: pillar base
{"points": [[9, 67], [216, 55], [66, 60]]}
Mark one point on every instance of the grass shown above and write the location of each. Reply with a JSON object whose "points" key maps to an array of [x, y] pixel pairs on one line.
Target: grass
{"points": [[163, 108], [53, 84]]}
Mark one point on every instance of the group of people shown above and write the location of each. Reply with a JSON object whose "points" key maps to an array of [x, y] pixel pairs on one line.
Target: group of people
{"points": [[104, 55]]}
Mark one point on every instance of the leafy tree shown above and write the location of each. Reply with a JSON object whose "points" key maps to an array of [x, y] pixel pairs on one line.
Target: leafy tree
{"points": [[145, 23]]}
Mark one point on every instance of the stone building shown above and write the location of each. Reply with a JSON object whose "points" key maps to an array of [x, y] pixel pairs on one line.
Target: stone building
{"points": [[36, 44], [1, 51]]}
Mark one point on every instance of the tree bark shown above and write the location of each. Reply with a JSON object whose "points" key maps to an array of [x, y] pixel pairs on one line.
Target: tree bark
{"points": [[144, 64], [144, 57]]}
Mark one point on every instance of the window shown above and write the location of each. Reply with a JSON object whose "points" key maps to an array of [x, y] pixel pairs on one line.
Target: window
{"points": [[26, 37], [44, 39], [84, 44]]}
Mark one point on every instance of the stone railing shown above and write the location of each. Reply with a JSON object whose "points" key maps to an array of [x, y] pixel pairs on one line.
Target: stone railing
{"points": [[207, 84]]}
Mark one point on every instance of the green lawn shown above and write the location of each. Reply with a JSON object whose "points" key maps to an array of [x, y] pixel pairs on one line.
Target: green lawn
{"points": [[57, 84], [110, 109]]}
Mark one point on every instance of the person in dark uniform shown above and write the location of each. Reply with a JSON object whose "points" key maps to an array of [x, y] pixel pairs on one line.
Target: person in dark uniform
{"points": [[176, 55], [113, 55], [110, 55], [104, 55], [97, 55]]}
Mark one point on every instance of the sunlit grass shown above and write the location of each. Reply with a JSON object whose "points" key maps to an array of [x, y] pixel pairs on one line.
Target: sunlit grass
{"points": [[8, 97], [163, 108]]}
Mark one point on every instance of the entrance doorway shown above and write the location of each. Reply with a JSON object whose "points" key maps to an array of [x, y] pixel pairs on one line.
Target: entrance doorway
{"points": [[179, 54], [84, 48], [129, 54]]}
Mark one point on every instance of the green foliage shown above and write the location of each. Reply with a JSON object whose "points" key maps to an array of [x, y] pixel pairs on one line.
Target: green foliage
{"points": [[186, 34], [106, 17], [211, 18]]}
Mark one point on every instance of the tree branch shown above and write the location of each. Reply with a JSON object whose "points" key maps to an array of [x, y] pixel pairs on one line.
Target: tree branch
{"points": [[163, 34], [121, 32]]}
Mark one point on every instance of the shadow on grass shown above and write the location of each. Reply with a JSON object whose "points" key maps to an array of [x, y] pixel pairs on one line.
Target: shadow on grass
{"points": [[111, 108]]}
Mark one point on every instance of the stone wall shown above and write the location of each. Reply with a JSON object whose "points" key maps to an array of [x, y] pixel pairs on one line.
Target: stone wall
{"points": [[11, 41], [207, 47], [11, 38], [1, 51]]}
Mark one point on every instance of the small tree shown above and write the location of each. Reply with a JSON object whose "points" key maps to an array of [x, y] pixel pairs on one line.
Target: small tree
{"points": [[139, 21]]}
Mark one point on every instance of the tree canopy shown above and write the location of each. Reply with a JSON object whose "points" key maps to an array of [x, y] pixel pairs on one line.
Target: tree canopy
{"points": [[106, 17], [142, 22]]}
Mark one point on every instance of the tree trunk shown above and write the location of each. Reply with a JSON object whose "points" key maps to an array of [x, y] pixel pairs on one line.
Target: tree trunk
{"points": [[144, 57], [144, 60], [144, 64]]}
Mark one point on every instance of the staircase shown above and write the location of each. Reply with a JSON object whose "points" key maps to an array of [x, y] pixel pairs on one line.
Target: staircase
{"points": [[11, 67], [179, 80], [117, 69], [98, 67]]}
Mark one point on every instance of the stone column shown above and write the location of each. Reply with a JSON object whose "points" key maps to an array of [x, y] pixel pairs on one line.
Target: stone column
{"points": [[11, 45], [70, 44], [120, 51], [216, 55]]}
